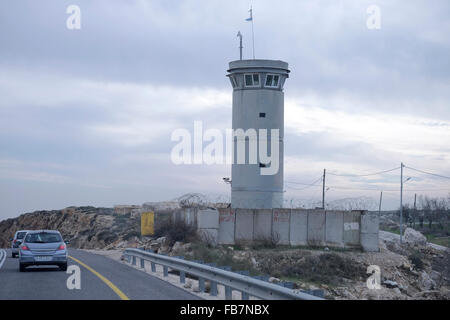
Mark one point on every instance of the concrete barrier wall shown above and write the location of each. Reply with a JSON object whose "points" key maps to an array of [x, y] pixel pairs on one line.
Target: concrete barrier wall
{"points": [[190, 216], [208, 225], [287, 226], [208, 219], [352, 228], [299, 228], [316, 227], [281, 219], [370, 223], [226, 226], [262, 221], [334, 228], [244, 225]]}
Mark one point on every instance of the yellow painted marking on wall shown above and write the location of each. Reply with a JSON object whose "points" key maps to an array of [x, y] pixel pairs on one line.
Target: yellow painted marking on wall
{"points": [[147, 223], [108, 283]]}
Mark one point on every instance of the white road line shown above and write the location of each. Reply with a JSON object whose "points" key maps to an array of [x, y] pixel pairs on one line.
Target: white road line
{"points": [[2, 257]]}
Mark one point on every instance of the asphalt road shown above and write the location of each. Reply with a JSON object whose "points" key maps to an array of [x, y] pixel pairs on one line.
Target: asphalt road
{"points": [[101, 279]]}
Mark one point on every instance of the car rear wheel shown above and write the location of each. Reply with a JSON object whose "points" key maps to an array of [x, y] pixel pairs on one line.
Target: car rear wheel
{"points": [[21, 267], [63, 267]]}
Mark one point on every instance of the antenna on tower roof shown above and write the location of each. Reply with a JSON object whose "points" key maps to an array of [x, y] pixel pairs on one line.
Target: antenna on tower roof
{"points": [[240, 44], [253, 32]]}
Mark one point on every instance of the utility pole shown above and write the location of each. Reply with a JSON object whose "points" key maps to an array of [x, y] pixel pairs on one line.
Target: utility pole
{"points": [[415, 198], [401, 202], [379, 207], [415, 212], [323, 189]]}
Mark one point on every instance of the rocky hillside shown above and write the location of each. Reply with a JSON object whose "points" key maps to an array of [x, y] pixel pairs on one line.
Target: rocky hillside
{"points": [[84, 227]]}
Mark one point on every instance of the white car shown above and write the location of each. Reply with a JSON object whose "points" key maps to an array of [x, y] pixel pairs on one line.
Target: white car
{"points": [[16, 241]]}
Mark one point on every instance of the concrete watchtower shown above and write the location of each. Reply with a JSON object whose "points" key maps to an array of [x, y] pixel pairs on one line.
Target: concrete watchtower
{"points": [[258, 103]]}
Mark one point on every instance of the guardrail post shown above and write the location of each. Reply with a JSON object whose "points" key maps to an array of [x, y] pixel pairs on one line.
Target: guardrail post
{"points": [[244, 295], [289, 285], [134, 260], [153, 266], [228, 293], [244, 272], [226, 268], [201, 284], [142, 263], [318, 293], [166, 271], [262, 278], [228, 290], [213, 288], [182, 277]]}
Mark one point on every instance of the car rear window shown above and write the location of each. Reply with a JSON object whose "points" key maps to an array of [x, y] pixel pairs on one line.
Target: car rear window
{"points": [[20, 235], [43, 237]]}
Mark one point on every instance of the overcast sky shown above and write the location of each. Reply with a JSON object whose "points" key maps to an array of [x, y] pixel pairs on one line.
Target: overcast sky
{"points": [[86, 115]]}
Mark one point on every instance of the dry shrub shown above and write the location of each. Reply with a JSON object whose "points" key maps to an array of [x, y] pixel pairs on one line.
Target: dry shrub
{"points": [[176, 231]]}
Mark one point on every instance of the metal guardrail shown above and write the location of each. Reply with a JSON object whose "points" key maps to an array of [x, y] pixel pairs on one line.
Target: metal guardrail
{"points": [[248, 286]]}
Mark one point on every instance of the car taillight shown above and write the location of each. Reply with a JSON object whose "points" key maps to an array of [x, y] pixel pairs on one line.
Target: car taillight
{"points": [[24, 247], [62, 247]]}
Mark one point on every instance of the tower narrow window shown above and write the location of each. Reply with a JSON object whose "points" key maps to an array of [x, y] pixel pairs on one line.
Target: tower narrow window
{"points": [[275, 81], [256, 79], [252, 80], [272, 81], [248, 80]]}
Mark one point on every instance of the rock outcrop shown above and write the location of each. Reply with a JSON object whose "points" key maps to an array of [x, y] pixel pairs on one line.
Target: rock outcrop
{"points": [[414, 237], [85, 227]]}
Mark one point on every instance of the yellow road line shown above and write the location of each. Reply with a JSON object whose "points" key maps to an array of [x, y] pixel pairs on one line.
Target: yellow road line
{"points": [[108, 283]]}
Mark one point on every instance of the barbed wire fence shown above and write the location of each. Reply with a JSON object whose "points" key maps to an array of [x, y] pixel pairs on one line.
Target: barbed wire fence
{"points": [[199, 200]]}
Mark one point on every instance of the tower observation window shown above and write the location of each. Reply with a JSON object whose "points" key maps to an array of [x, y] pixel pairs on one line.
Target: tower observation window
{"points": [[272, 80], [252, 80]]}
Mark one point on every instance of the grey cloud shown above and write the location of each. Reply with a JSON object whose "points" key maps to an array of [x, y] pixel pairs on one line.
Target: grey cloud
{"points": [[48, 117], [327, 44]]}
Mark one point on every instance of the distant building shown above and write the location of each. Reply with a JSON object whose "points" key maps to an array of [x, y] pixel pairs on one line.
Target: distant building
{"points": [[127, 209]]}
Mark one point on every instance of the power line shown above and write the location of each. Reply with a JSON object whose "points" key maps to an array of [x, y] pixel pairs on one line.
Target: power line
{"points": [[361, 189], [382, 189], [425, 172], [307, 185], [314, 184], [445, 189], [363, 175], [299, 189]]}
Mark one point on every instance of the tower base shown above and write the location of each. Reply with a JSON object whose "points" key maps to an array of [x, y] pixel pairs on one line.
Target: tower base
{"points": [[256, 200]]}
